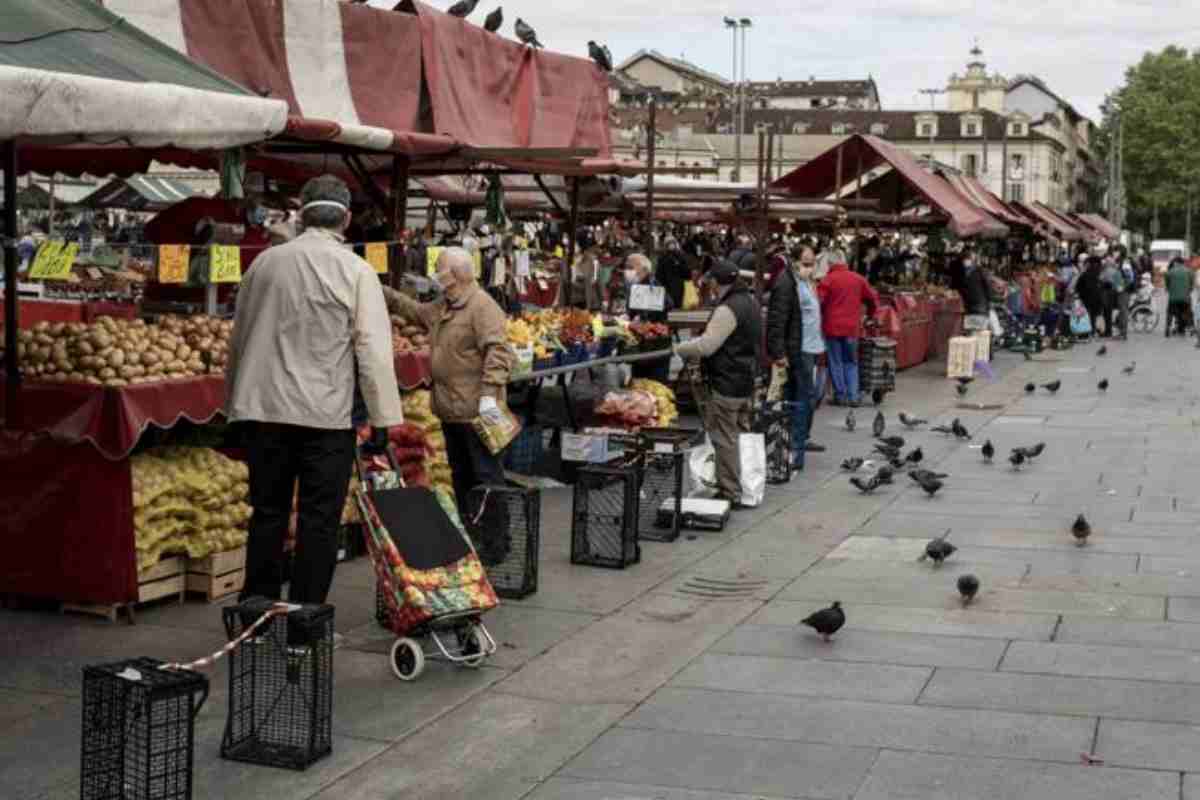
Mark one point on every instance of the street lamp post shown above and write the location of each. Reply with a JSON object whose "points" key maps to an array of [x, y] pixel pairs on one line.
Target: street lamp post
{"points": [[732, 24], [743, 23], [932, 93]]}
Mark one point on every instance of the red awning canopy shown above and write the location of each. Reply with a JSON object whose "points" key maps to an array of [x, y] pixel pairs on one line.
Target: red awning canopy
{"points": [[909, 183], [1056, 226], [983, 197], [1085, 233], [1101, 225]]}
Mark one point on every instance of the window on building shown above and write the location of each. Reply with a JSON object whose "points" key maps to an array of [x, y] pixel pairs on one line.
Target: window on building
{"points": [[1016, 167], [879, 128], [926, 129], [972, 129], [970, 164], [837, 128], [814, 103], [1017, 129], [1016, 192]]}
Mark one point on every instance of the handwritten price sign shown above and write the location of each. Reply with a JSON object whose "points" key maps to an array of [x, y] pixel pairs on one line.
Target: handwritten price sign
{"points": [[54, 261], [225, 264], [377, 256], [173, 262]]}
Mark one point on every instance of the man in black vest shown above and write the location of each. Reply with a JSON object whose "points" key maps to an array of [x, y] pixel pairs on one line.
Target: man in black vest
{"points": [[728, 350]]}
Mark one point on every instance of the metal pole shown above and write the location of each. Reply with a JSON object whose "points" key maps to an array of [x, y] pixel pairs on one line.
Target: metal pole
{"points": [[735, 108], [573, 227], [650, 148], [12, 370], [742, 105], [1004, 165], [398, 213], [837, 191], [50, 225]]}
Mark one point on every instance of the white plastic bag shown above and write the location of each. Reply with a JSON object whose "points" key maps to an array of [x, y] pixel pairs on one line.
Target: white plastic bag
{"points": [[702, 465], [752, 465]]}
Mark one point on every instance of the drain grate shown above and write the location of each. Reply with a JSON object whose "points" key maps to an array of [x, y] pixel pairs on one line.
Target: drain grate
{"points": [[700, 586]]}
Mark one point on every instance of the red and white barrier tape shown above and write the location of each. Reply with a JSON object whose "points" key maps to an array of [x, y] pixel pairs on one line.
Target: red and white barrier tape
{"points": [[202, 663]]}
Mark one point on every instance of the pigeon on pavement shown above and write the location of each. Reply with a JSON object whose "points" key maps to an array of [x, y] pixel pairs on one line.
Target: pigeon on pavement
{"points": [[1081, 530], [884, 475], [1103, 385], [878, 426], [850, 421], [959, 431], [852, 464], [943, 429], [827, 621], [938, 549], [877, 396], [494, 20], [1029, 388], [526, 34], [1103, 351], [462, 8], [1052, 387], [930, 487], [887, 451], [1129, 370], [867, 486], [988, 451], [1035, 451], [915, 457], [910, 422], [921, 475], [893, 441], [968, 587], [1017, 458]]}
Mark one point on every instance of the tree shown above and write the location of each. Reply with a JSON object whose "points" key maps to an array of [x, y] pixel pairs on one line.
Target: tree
{"points": [[1158, 112]]}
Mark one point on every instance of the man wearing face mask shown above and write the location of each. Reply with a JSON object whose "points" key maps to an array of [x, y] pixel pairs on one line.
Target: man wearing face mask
{"points": [[471, 362], [728, 351], [638, 272], [794, 340]]}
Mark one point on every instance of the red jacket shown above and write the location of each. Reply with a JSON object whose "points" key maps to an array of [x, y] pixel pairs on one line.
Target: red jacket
{"points": [[843, 294]]}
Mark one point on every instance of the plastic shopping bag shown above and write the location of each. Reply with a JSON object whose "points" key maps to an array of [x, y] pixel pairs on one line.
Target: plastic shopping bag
{"points": [[779, 379], [1081, 323], [691, 297], [702, 466], [752, 463]]}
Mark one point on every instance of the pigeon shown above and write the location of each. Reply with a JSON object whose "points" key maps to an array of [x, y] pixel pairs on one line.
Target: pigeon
{"points": [[878, 426], [893, 441], [1081, 530], [850, 421], [494, 20], [867, 486], [884, 476], [939, 550], [1035, 451], [910, 422], [988, 451], [961, 389], [963, 380], [1103, 351], [1103, 385], [1029, 388], [930, 487], [915, 457], [852, 464], [896, 462], [1028, 355], [1129, 370], [942, 429], [1017, 458], [959, 431], [968, 587], [887, 451], [827, 621], [920, 475], [601, 56], [526, 34], [462, 8], [877, 396], [1052, 387]]}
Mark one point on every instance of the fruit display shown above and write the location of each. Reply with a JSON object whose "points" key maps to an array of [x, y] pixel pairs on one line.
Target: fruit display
{"points": [[187, 501], [648, 331], [663, 397], [120, 352], [418, 410], [628, 409], [575, 328], [408, 338]]}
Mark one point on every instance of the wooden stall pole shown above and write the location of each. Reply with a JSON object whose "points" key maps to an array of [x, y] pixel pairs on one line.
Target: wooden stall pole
{"points": [[398, 218], [652, 135], [12, 370], [760, 249]]}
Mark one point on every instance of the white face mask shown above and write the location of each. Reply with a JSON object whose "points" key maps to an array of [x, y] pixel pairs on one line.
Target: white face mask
{"points": [[631, 276]]}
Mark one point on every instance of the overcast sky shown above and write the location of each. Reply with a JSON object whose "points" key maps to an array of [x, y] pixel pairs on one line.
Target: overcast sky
{"points": [[1081, 48]]}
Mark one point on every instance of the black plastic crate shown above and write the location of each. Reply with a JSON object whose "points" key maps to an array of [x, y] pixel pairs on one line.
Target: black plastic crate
{"points": [[525, 452], [604, 519], [280, 687], [775, 424], [877, 364], [504, 522], [138, 732], [661, 484]]}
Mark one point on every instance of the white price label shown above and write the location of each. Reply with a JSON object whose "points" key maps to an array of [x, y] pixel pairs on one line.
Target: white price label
{"points": [[647, 298]]}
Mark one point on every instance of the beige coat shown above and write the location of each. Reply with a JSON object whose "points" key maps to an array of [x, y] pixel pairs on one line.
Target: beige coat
{"points": [[306, 311], [468, 347]]}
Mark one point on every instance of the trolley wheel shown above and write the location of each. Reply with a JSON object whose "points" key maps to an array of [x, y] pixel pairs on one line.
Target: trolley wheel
{"points": [[408, 659], [471, 646]]}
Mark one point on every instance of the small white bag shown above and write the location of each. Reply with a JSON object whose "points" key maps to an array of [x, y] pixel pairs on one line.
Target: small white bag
{"points": [[752, 465]]}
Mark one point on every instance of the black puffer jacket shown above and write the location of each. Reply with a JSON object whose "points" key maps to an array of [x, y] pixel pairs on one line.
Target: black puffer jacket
{"points": [[785, 328]]}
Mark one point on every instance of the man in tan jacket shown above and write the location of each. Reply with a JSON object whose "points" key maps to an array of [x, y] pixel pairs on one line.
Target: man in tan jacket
{"points": [[471, 361], [307, 313]]}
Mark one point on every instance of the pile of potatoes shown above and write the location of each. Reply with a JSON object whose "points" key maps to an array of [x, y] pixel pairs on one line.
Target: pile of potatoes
{"points": [[119, 352]]}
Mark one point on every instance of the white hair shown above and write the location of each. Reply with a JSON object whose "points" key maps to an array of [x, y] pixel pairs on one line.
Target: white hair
{"points": [[639, 261], [459, 262]]}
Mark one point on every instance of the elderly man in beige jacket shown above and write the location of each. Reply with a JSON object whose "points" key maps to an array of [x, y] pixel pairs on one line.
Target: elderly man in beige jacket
{"points": [[308, 311], [471, 361]]}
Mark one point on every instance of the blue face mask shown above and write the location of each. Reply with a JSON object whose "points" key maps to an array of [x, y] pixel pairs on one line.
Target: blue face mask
{"points": [[256, 216]]}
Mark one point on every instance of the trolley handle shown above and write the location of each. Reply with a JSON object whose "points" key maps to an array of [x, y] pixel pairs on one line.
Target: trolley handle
{"points": [[200, 705]]}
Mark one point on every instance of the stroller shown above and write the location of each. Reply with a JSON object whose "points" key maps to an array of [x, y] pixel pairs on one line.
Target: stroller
{"points": [[431, 583]]}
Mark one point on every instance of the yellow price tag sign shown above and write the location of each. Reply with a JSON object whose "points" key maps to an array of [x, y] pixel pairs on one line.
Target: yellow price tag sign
{"points": [[377, 256], [432, 254], [46, 257], [173, 260], [225, 263]]}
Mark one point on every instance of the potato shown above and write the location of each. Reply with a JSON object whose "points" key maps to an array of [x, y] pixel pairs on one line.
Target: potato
{"points": [[149, 358], [116, 358], [56, 329], [101, 340], [77, 376], [183, 352], [157, 368], [128, 371], [176, 366], [116, 382], [107, 373], [84, 346], [41, 327], [94, 381]]}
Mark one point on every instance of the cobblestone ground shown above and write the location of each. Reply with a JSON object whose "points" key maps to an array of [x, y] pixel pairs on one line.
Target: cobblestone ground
{"points": [[635, 685]]}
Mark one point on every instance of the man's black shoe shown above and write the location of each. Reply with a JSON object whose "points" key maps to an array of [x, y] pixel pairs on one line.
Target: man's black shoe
{"points": [[813, 447]]}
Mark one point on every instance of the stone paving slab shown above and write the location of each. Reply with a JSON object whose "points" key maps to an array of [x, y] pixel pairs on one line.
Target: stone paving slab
{"points": [[16, 705], [1166, 565], [724, 764], [1183, 609], [576, 789], [1040, 737], [876, 647], [1100, 661], [911, 569], [1152, 585], [1048, 694], [498, 748], [827, 679], [918, 776], [934, 621], [1083, 561], [1128, 633], [1149, 745]]}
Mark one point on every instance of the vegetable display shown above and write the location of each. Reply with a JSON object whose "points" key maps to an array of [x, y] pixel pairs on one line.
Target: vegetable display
{"points": [[664, 399], [408, 338], [187, 500], [119, 352], [418, 410]]}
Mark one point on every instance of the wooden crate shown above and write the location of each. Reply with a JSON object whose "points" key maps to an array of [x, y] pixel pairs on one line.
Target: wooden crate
{"points": [[167, 578], [218, 575]]}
